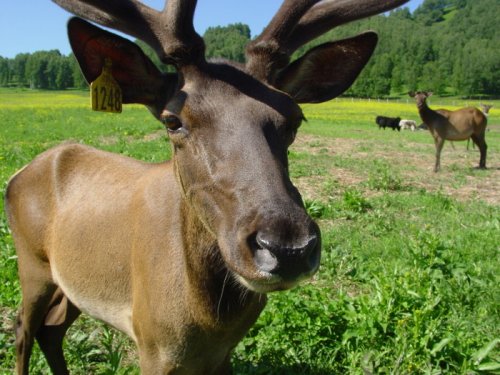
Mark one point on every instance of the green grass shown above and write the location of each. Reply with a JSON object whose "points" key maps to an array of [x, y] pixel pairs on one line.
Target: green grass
{"points": [[409, 276]]}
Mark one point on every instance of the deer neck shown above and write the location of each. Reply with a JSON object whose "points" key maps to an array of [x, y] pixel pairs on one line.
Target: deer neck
{"points": [[427, 115], [213, 293]]}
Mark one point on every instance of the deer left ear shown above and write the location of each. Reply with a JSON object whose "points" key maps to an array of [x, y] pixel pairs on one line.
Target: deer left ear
{"points": [[139, 79], [327, 70]]}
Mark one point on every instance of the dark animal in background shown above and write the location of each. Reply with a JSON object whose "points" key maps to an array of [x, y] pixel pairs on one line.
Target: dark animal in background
{"points": [[388, 122], [456, 125]]}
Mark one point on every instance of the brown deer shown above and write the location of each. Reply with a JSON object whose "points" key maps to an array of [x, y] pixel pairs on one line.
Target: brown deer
{"points": [[458, 125], [179, 255]]}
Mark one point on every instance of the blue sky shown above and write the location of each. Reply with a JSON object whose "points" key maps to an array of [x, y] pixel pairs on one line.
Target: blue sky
{"points": [[33, 25]]}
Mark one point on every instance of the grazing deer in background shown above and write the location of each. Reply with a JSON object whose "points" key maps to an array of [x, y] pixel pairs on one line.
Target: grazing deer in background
{"points": [[456, 125], [179, 255]]}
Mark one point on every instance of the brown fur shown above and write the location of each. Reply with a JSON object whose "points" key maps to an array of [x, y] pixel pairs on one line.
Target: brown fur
{"points": [[45, 229]]}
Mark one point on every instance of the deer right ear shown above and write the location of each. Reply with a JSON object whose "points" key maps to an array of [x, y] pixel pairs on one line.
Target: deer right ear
{"points": [[327, 70], [139, 79]]}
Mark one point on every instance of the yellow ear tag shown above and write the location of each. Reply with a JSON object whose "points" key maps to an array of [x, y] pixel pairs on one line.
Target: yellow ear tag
{"points": [[105, 93]]}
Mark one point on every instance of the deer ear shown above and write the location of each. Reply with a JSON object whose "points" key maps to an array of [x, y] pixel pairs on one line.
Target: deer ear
{"points": [[327, 70], [139, 79]]}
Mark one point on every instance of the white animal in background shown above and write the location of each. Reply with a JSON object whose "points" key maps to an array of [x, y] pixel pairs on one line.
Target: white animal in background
{"points": [[408, 124]]}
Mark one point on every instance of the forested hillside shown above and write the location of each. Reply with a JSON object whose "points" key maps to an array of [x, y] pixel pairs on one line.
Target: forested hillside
{"points": [[451, 47], [447, 46]]}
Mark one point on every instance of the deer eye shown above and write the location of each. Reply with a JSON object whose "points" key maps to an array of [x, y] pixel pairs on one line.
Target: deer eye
{"points": [[171, 122]]}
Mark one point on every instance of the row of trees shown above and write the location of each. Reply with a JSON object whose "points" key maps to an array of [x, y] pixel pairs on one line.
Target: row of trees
{"points": [[447, 46], [41, 70]]}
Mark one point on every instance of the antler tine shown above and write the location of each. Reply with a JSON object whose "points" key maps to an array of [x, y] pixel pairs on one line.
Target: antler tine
{"points": [[265, 53], [329, 14], [298, 22], [128, 16], [181, 43], [169, 32]]}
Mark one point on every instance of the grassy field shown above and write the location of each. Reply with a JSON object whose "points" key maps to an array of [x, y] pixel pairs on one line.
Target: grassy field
{"points": [[409, 281]]}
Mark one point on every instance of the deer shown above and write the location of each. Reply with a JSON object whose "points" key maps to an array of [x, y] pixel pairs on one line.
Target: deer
{"points": [[179, 255], [458, 125]]}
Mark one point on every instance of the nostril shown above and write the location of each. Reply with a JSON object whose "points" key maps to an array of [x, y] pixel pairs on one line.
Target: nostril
{"points": [[297, 248], [265, 242], [290, 259]]}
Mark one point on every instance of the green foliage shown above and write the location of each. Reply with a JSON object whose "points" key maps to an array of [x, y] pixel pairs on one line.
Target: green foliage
{"points": [[432, 11], [227, 42], [315, 209], [382, 177], [354, 201]]}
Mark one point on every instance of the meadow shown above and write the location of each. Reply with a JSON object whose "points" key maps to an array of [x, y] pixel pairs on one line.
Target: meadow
{"points": [[409, 278]]}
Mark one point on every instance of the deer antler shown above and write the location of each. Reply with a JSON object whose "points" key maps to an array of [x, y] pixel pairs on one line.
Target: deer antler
{"points": [[169, 32], [267, 52], [329, 14], [298, 22]]}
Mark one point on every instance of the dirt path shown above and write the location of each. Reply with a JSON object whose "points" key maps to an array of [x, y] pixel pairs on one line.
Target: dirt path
{"points": [[415, 168]]}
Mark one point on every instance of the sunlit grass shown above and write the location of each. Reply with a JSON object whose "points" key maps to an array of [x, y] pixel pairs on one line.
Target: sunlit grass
{"points": [[21, 98], [409, 276]]}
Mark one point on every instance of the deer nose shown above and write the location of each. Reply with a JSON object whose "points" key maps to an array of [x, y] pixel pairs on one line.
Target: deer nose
{"points": [[289, 260]]}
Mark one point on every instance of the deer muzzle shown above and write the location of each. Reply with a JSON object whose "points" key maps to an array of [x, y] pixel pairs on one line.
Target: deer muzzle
{"points": [[282, 261]]}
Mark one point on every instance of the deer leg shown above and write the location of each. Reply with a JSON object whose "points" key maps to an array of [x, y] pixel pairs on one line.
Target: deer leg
{"points": [[483, 147], [36, 298], [225, 368], [61, 314], [439, 142]]}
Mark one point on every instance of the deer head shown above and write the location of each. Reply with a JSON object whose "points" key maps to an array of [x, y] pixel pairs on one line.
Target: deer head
{"points": [[231, 125], [420, 97]]}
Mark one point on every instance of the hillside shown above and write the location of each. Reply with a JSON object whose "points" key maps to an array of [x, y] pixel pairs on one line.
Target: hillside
{"points": [[446, 46]]}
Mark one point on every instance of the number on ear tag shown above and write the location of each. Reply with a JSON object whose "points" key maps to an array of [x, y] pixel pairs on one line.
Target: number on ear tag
{"points": [[105, 93]]}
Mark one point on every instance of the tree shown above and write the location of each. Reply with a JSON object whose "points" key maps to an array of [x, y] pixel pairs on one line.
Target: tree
{"points": [[478, 69], [79, 81], [64, 78], [18, 70], [381, 73], [227, 42], [432, 11], [432, 78], [4, 71], [35, 70]]}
